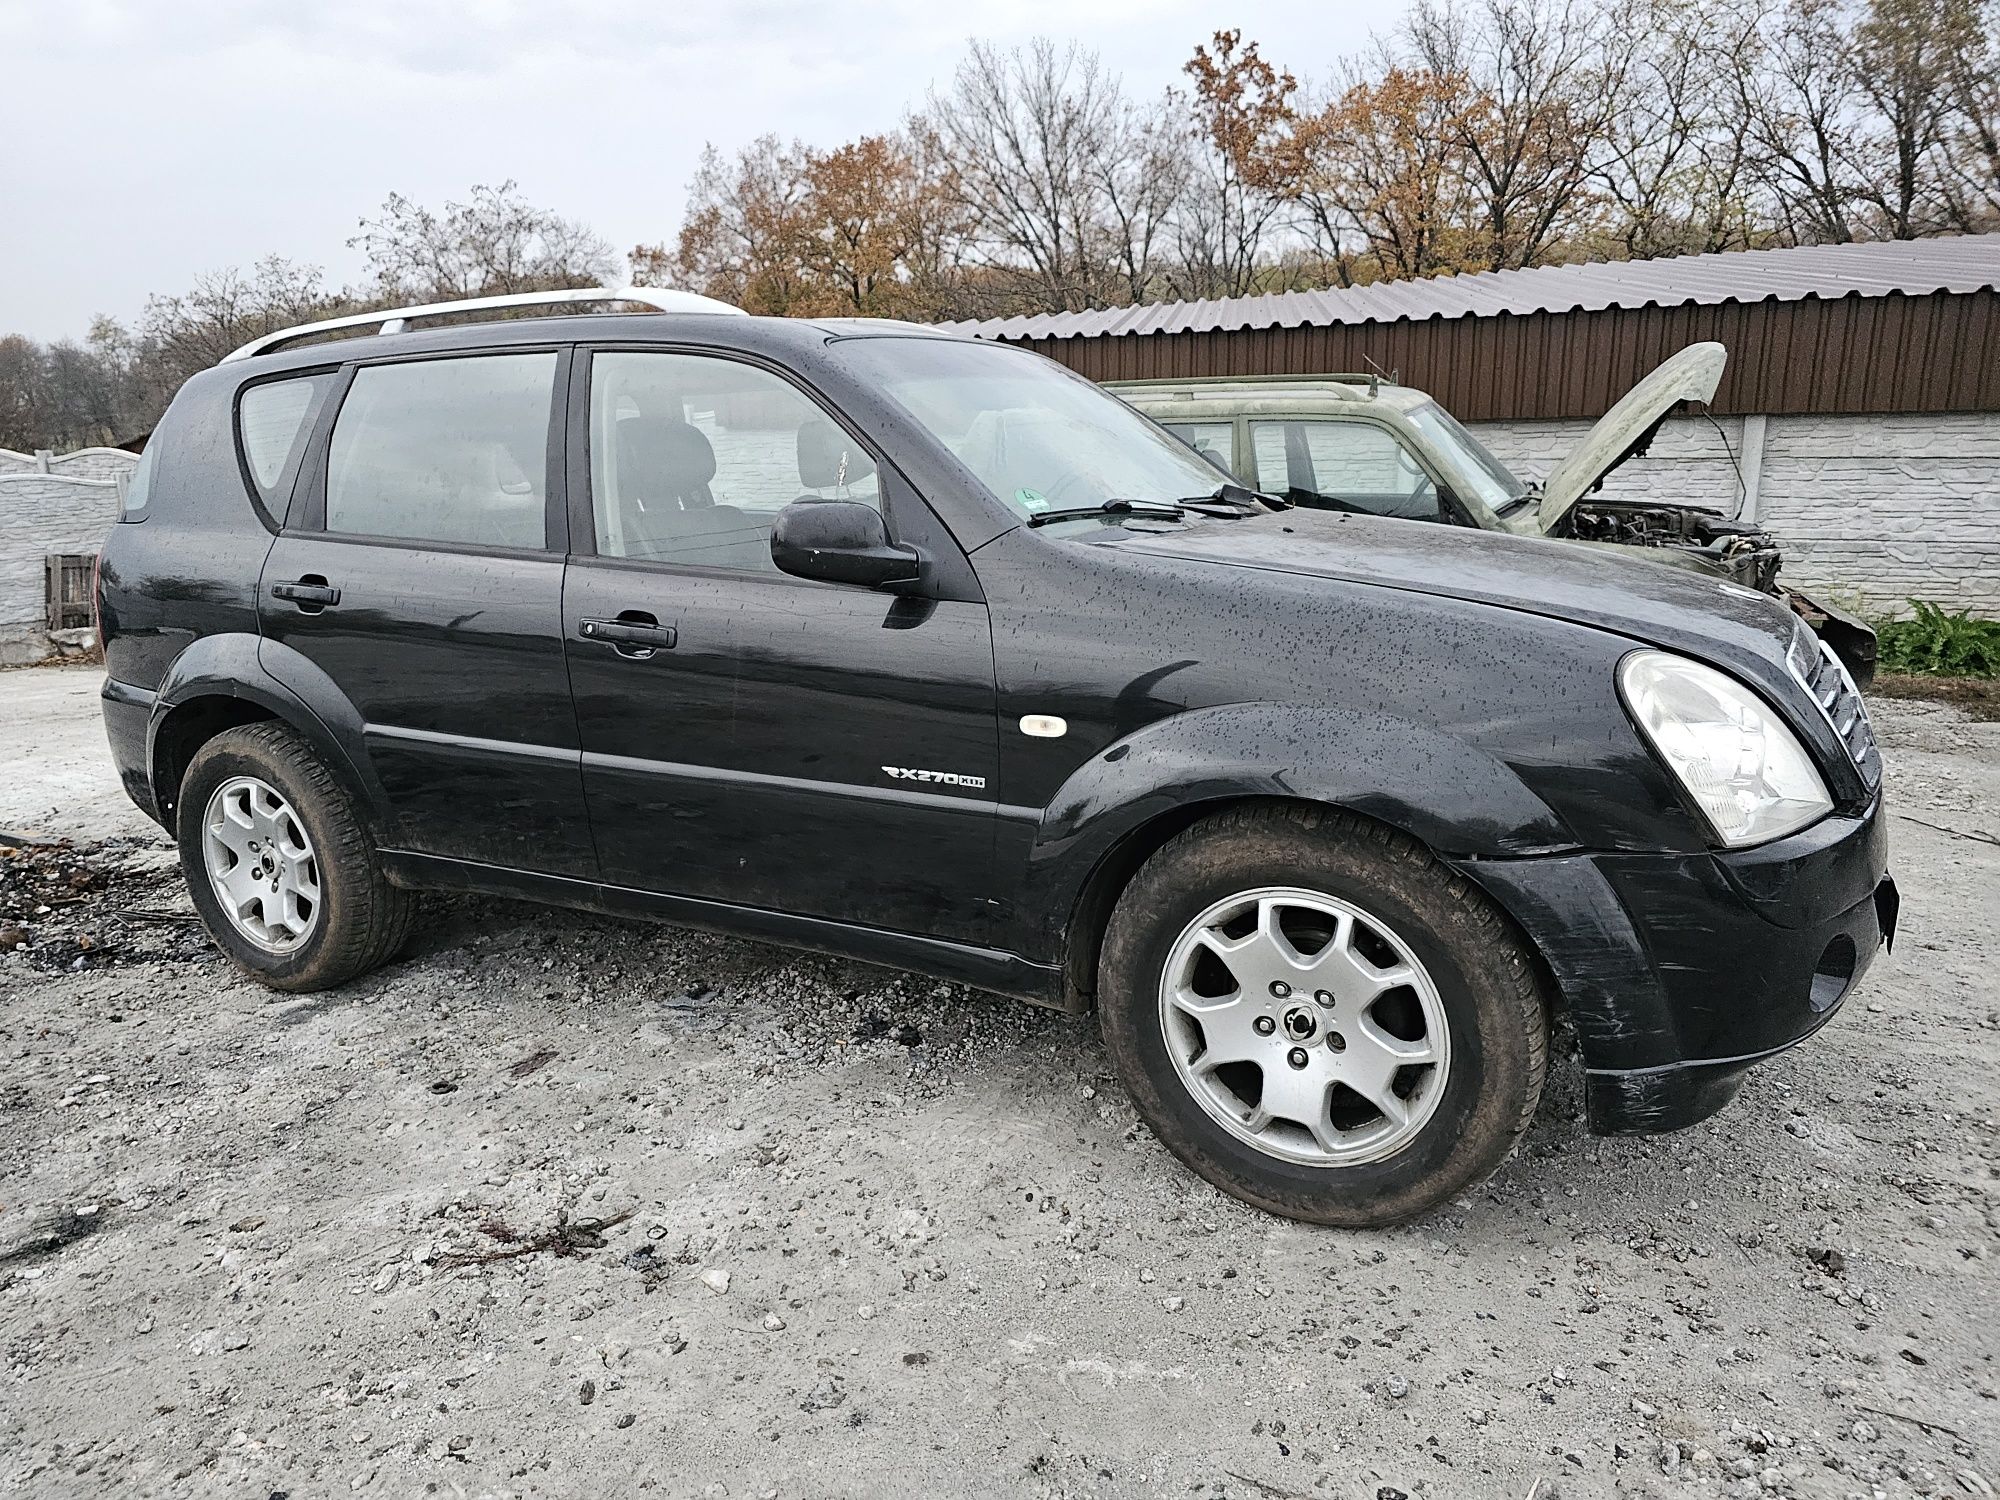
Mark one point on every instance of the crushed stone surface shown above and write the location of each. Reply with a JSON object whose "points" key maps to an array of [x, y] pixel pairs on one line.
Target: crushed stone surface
{"points": [[558, 1205]]}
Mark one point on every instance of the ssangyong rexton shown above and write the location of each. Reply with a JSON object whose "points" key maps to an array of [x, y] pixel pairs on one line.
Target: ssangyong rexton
{"points": [[925, 651]]}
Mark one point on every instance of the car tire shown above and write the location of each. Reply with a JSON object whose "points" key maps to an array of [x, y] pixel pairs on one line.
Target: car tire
{"points": [[1396, 957], [264, 826]]}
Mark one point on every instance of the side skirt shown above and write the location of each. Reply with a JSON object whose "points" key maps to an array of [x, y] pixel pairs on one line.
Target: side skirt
{"points": [[983, 968]]}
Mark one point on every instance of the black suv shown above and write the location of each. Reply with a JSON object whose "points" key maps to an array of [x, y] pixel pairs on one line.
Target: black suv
{"points": [[925, 651]]}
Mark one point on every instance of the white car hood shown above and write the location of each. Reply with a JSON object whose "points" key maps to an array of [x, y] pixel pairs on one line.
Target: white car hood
{"points": [[1690, 375]]}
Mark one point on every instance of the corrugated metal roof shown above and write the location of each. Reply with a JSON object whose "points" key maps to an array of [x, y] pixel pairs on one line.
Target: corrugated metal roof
{"points": [[1963, 263]]}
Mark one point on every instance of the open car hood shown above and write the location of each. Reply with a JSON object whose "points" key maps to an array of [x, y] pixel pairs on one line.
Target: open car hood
{"points": [[1628, 428]]}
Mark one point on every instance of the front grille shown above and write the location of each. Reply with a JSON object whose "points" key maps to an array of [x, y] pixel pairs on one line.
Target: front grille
{"points": [[1820, 671]]}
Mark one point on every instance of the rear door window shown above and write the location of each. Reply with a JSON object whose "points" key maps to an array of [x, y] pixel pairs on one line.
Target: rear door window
{"points": [[445, 450]]}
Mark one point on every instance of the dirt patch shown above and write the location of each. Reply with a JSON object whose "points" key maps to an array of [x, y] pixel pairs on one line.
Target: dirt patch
{"points": [[1977, 697]]}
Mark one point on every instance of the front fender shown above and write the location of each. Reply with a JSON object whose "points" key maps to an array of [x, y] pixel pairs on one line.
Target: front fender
{"points": [[233, 665], [1456, 798]]}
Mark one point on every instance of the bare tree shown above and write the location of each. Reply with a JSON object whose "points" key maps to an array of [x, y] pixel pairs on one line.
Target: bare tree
{"points": [[492, 243], [1143, 189], [1035, 137], [224, 309], [1901, 54], [24, 425], [1673, 159], [1539, 69], [1802, 105], [1972, 176]]}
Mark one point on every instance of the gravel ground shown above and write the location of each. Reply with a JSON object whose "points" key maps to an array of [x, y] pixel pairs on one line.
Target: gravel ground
{"points": [[558, 1206]]}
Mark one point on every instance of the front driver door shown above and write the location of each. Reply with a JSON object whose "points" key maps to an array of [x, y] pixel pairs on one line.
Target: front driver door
{"points": [[748, 736]]}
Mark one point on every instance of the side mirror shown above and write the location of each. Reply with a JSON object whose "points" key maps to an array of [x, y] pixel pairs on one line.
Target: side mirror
{"points": [[838, 541]]}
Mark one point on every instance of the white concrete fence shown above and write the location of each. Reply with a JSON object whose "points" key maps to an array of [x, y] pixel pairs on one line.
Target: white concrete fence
{"points": [[49, 504], [1872, 510]]}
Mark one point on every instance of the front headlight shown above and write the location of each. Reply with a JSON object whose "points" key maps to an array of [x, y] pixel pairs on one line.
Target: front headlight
{"points": [[1743, 767]]}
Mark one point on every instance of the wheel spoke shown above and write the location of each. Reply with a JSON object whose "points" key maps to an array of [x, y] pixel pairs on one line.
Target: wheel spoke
{"points": [[1372, 1061], [233, 835], [1227, 1032], [1299, 1095], [1353, 978]]}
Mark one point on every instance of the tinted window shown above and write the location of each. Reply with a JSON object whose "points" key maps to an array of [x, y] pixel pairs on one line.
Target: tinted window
{"points": [[1214, 441], [272, 421], [447, 450], [1343, 466], [692, 458]]}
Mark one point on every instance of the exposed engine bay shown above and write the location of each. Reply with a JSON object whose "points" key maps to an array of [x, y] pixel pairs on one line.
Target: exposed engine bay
{"points": [[1739, 550]]}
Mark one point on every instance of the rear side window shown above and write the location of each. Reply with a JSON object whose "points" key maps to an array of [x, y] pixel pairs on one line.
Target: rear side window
{"points": [[446, 450], [272, 421]]}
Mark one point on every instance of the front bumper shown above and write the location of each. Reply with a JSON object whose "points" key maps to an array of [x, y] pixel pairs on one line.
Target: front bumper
{"points": [[1682, 971]]}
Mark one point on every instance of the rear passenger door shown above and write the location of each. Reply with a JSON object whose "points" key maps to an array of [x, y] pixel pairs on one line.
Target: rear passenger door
{"points": [[1345, 464], [756, 742], [421, 571]]}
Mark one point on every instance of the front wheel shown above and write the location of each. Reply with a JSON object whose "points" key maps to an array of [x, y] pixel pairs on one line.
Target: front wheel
{"points": [[1319, 1017]]}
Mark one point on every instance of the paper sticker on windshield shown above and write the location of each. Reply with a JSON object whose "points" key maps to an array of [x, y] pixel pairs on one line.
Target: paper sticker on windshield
{"points": [[1031, 501]]}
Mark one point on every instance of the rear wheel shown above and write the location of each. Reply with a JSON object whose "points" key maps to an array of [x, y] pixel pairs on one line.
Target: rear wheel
{"points": [[280, 865], [1319, 1017]]}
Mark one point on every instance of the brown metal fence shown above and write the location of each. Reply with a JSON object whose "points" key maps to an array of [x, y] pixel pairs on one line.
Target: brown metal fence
{"points": [[1852, 354], [69, 578]]}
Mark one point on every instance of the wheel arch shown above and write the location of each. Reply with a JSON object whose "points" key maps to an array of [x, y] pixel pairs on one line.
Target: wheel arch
{"points": [[219, 683], [1128, 801]]}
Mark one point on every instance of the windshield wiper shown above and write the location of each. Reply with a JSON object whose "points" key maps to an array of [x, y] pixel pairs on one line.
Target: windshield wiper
{"points": [[1170, 510], [1240, 500], [1231, 502]]}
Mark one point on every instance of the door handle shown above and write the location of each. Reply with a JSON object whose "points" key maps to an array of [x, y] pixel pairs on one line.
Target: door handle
{"points": [[631, 634], [309, 593]]}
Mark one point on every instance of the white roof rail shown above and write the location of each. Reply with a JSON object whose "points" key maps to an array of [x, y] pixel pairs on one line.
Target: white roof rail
{"points": [[396, 319]]}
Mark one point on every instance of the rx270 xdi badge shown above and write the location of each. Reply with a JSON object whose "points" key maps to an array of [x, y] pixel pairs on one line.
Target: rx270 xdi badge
{"points": [[942, 778], [1324, 814]]}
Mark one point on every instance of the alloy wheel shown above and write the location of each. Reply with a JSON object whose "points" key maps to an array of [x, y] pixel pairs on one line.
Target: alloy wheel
{"points": [[1305, 1026], [261, 865]]}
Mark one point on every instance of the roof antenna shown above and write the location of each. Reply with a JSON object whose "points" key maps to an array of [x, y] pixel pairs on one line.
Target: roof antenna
{"points": [[1377, 375]]}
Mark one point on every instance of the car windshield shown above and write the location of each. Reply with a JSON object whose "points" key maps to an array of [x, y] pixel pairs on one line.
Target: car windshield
{"points": [[1483, 475], [1040, 438]]}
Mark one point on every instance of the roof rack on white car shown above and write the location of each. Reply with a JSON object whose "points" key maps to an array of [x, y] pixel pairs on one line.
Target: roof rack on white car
{"points": [[396, 319]]}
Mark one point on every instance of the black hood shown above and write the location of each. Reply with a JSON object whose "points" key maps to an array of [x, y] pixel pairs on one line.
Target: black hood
{"points": [[1702, 617]]}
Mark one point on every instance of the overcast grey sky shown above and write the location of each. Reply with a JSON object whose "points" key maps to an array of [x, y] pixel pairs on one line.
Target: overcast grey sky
{"points": [[148, 142]]}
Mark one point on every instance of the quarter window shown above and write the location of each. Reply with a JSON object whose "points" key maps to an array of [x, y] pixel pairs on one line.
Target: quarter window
{"points": [[272, 421], [445, 450], [1339, 465], [692, 458]]}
